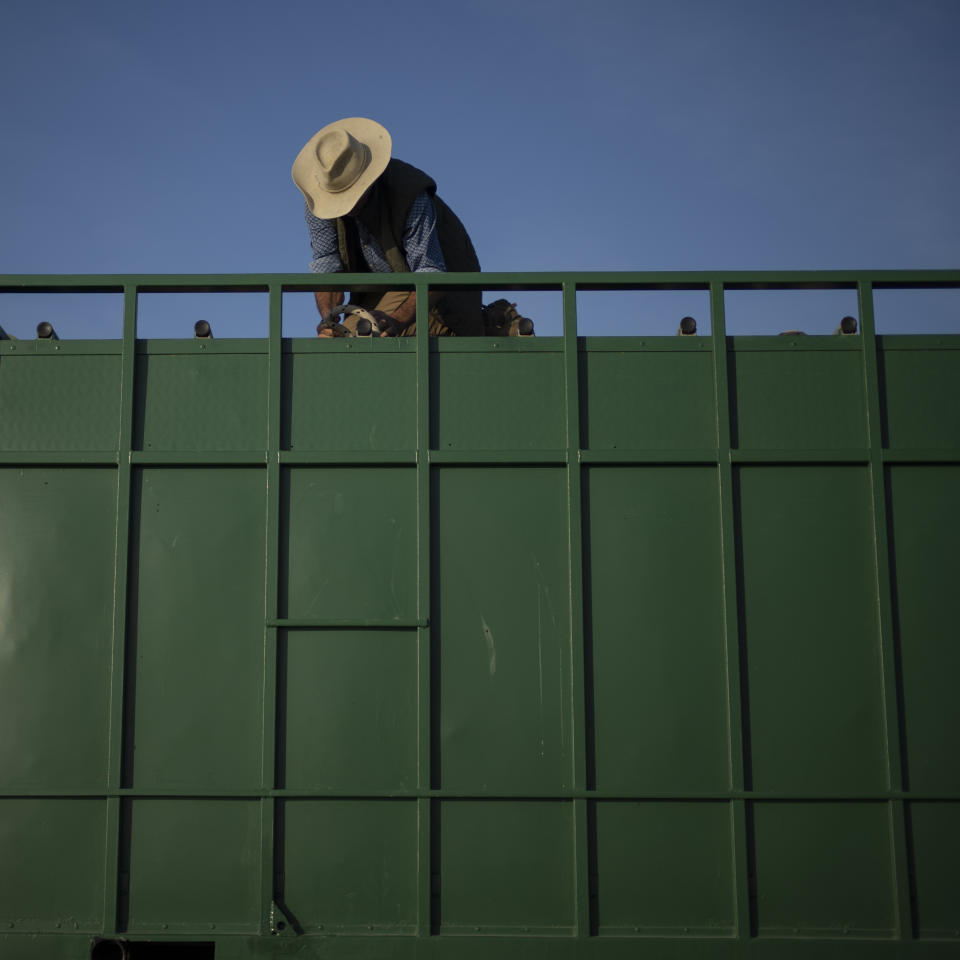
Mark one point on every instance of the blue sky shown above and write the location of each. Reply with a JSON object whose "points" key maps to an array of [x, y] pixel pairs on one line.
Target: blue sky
{"points": [[157, 137]]}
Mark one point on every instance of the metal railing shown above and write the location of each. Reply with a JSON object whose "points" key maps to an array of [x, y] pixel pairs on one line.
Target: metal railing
{"points": [[715, 284]]}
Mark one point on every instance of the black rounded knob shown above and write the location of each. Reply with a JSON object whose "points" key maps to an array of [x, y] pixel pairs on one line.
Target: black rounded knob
{"points": [[202, 329], [45, 330], [364, 327], [688, 327], [848, 325], [524, 326]]}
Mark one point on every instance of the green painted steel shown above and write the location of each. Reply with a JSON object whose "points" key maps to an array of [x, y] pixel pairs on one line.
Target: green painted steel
{"points": [[568, 647]]}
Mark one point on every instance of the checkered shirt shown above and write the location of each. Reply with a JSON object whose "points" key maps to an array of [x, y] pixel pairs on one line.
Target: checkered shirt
{"points": [[420, 243]]}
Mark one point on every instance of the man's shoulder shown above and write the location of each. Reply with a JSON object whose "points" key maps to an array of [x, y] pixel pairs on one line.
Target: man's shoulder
{"points": [[405, 177]]}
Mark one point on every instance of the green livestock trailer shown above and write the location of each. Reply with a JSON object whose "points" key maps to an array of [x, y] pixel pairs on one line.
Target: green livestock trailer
{"points": [[546, 648]]}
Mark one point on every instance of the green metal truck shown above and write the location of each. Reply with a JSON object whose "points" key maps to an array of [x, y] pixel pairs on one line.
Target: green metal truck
{"points": [[554, 647]]}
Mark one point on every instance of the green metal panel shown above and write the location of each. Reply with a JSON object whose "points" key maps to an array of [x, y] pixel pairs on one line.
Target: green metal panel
{"points": [[350, 866], [58, 401], [919, 390], [498, 399], [350, 543], [349, 702], [559, 647], [925, 533], [196, 629], [331, 403], [811, 634], [652, 395], [201, 400], [665, 869], [56, 608], [655, 608], [51, 853], [936, 852], [192, 866], [798, 392], [824, 870], [501, 626], [506, 868]]}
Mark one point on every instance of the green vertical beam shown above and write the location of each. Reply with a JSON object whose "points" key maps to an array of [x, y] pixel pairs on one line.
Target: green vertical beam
{"points": [[271, 606], [578, 673], [893, 721], [731, 615], [424, 656], [128, 368]]}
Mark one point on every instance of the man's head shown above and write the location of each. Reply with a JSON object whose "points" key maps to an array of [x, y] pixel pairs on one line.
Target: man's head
{"points": [[339, 164]]}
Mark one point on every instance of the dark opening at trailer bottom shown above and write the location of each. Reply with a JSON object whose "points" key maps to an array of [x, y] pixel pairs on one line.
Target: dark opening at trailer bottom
{"points": [[378, 947]]}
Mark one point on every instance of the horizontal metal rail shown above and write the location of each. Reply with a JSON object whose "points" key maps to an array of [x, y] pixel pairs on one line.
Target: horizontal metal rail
{"points": [[600, 280]]}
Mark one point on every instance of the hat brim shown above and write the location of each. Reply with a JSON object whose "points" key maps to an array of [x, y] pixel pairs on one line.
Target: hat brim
{"points": [[329, 206]]}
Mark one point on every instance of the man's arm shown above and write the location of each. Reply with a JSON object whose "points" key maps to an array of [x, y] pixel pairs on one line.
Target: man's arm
{"points": [[327, 300], [326, 259]]}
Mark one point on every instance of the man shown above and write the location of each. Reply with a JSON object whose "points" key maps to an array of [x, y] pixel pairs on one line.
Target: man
{"points": [[368, 212]]}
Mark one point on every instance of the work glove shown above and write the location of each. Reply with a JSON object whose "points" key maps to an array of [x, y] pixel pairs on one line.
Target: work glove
{"points": [[386, 324], [332, 328]]}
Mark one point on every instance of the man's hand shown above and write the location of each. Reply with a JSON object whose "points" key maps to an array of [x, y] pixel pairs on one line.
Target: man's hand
{"points": [[327, 300], [389, 325]]}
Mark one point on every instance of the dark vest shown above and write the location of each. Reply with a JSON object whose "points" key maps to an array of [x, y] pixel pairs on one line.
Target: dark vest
{"points": [[385, 216]]}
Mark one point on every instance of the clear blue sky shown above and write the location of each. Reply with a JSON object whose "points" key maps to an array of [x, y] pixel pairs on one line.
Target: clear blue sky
{"points": [[157, 137]]}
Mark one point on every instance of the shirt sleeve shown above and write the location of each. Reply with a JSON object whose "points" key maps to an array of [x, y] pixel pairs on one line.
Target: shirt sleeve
{"points": [[323, 241], [421, 244]]}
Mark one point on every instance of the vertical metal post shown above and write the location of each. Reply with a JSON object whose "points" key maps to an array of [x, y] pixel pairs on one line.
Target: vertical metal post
{"points": [[893, 721], [425, 811], [578, 672], [731, 616], [268, 862], [118, 660]]}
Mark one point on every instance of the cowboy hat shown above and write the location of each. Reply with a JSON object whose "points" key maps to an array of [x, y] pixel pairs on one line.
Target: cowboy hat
{"points": [[339, 163]]}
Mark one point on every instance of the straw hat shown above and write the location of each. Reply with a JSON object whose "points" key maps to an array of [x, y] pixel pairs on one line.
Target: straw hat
{"points": [[339, 163]]}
